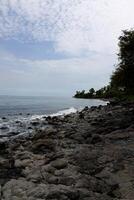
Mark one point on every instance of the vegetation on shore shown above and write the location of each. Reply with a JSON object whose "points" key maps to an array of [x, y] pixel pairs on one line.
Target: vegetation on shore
{"points": [[122, 80]]}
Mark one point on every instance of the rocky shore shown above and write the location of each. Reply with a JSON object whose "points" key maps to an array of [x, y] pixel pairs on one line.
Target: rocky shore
{"points": [[88, 155]]}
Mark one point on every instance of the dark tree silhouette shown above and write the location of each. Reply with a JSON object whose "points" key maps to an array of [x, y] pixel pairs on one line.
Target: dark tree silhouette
{"points": [[124, 73]]}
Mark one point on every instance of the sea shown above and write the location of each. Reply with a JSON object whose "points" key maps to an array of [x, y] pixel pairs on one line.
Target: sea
{"points": [[17, 112]]}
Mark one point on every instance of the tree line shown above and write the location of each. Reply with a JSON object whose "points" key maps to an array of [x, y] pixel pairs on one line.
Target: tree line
{"points": [[122, 80]]}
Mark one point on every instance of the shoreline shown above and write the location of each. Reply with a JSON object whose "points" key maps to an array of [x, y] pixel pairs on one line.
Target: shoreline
{"points": [[96, 98], [14, 125], [84, 155]]}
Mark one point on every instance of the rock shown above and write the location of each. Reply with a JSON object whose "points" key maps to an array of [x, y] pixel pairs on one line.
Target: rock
{"points": [[110, 113], [43, 146], [93, 108], [66, 181], [4, 128], [85, 160], [4, 118], [35, 123], [13, 133], [81, 115], [9, 172], [63, 194], [17, 189], [0, 192], [59, 164], [82, 156], [48, 132], [114, 102], [48, 168], [100, 107], [4, 162], [96, 139], [3, 147], [83, 182], [53, 180], [30, 128], [85, 109]]}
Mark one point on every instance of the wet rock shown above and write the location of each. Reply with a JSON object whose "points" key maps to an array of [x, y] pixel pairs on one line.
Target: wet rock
{"points": [[85, 109], [17, 122], [93, 108], [4, 118], [13, 133], [4, 127], [100, 107], [30, 128], [35, 123]]}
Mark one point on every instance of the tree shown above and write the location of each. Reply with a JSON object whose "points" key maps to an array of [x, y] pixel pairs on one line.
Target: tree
{"points": [[124, 73], [99, 93], [91, 91], [83, 92]]}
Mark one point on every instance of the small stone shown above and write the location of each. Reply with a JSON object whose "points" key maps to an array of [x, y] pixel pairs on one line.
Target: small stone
{"points": [[53, 180], [17, 122], [49, 169], [35, 123], [59, 164], [4, 128], [4, 118]]}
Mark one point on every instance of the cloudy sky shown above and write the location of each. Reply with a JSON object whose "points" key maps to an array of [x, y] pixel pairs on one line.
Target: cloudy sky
{"points": [[59, 46]]}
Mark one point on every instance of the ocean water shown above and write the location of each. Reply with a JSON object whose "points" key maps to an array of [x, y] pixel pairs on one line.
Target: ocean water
{"points": [[17, 113], [24, 105]]}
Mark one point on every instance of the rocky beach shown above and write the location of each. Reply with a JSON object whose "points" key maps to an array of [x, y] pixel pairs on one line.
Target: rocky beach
{"points": [[87, 155]]}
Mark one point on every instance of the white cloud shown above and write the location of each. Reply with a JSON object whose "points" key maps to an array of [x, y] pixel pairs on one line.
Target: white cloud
{"points": [[53, 76], [74, 25]]}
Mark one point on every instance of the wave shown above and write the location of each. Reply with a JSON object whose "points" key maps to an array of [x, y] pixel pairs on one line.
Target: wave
{"points": [[20, 124], [65, 112], [59, 113]]}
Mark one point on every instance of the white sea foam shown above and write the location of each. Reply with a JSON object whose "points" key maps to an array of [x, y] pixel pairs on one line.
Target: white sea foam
{"points": [[65, 112], [59, 113]]}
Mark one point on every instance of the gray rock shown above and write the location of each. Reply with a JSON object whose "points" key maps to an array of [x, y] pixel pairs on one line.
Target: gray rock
{"points": [[59, 164], [88, 157]]}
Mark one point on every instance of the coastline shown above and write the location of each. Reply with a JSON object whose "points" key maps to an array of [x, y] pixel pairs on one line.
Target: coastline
{"points": [[12, 125], [83, 155]]}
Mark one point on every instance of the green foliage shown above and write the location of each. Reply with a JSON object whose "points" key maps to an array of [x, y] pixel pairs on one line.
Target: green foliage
{"points": [[124, 73], [91, 91], [122, 79], [83, 94], [105, 93]]}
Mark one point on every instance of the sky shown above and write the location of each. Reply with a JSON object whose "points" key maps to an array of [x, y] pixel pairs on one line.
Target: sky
{"points": [[55, 47]]}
